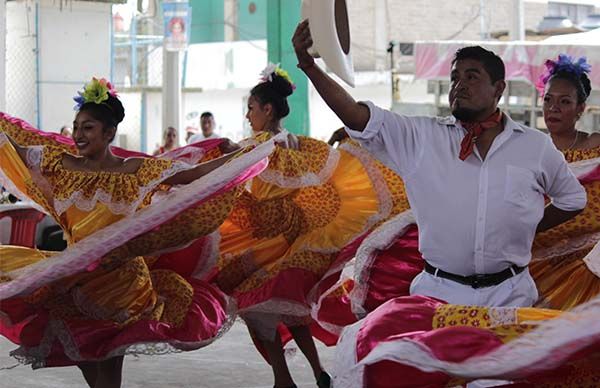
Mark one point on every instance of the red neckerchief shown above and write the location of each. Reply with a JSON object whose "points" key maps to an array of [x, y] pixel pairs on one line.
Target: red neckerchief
{"points": [[474, 130]]}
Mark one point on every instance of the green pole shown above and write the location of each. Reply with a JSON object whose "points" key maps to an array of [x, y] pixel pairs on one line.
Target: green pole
{"points": [[282, 18]]}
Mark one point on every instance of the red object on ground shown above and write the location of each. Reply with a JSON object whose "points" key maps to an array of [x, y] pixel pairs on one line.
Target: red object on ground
{"points": [[23, 225]]}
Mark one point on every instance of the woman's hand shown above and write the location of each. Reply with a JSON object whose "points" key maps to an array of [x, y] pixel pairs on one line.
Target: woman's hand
{"points": [[337, 136], [291, 142], [188, 176], [227, 146]]}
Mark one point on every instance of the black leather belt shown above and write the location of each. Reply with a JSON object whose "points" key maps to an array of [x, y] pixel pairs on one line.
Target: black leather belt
{"points": [[477, 280]]}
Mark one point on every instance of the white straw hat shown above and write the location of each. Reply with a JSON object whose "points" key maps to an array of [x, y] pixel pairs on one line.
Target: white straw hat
{"points": [[330, 31]]}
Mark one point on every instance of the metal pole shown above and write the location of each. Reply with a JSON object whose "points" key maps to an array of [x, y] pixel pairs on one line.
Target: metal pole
{"points": [[394, 74], [144, 120], [37, 67], [112, 45], [483, 30], [133, 35], [532, 111], [381, 30], [184, 70], [171, 90], [2, 56], [517, 25], [437, 90], [391, 51]]}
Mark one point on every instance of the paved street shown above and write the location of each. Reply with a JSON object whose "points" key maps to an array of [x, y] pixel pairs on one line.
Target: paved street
{"points": [[230, 362]]}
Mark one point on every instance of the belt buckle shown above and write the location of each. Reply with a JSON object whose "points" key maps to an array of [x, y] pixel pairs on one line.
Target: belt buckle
{"points": [[477, 280]]}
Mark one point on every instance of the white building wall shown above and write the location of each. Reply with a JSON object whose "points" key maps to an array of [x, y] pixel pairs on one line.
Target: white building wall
{"points": [[20, 60], [409, 21], [73, 44]]}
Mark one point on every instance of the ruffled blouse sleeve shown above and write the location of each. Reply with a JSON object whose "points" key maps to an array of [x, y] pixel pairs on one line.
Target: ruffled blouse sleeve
{"points": [[311, 164], [122, 193]]}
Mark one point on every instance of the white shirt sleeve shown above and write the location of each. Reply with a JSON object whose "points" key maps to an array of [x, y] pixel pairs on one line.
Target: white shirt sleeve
{"points": [[196, 138], [560, 183], [397, 141]]}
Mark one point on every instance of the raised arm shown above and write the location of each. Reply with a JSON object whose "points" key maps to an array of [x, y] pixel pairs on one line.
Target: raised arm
{"points": [[352, 114], [188, 176]]}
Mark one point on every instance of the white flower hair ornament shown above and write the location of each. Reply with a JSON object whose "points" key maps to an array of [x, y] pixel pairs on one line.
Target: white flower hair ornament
{"points": [[273, 68]]}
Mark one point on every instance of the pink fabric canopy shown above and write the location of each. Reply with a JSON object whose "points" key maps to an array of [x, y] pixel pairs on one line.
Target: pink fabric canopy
{"points": [[523, 60]]}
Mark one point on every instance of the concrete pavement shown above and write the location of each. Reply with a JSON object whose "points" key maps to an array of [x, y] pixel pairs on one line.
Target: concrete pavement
{"points": [[230, 362]]}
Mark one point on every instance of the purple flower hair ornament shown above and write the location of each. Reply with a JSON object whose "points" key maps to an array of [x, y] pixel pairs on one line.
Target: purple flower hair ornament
{"points": [[564, 63]]}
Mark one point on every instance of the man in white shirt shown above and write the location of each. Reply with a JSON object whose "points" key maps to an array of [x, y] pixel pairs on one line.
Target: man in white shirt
{"points": [[476, 180], [207, 127]]}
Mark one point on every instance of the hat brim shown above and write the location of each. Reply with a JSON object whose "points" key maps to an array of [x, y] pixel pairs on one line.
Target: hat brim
{"points": [[330, 31]]}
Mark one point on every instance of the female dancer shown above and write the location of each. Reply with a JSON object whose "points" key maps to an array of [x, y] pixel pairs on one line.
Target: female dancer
{"points": [[563, 279], [283, 236], [100, 298]]}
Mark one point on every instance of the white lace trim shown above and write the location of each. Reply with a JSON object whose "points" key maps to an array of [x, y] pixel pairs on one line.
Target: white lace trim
{"points": [[583, 167], [264, 317], [384, 195], [542, 349], [278, 306], [316, 300], [316, 307], [86, 251], [385, 207], [345, 374], [125, 208], [57, 330], [592, 260], [194, 154], [380, 239], [309, 179], [160, 348], [209, 256], [33, 156], [36, 356], [566, 246]]}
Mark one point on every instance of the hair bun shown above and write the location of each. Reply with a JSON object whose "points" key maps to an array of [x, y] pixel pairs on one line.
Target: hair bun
{"points": [[587, 85], [282, 86], [116, 108]]}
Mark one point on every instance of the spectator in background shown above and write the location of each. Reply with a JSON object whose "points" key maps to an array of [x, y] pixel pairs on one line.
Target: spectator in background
{"points": [[170, 142], [207, 125], [65, 130]]}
